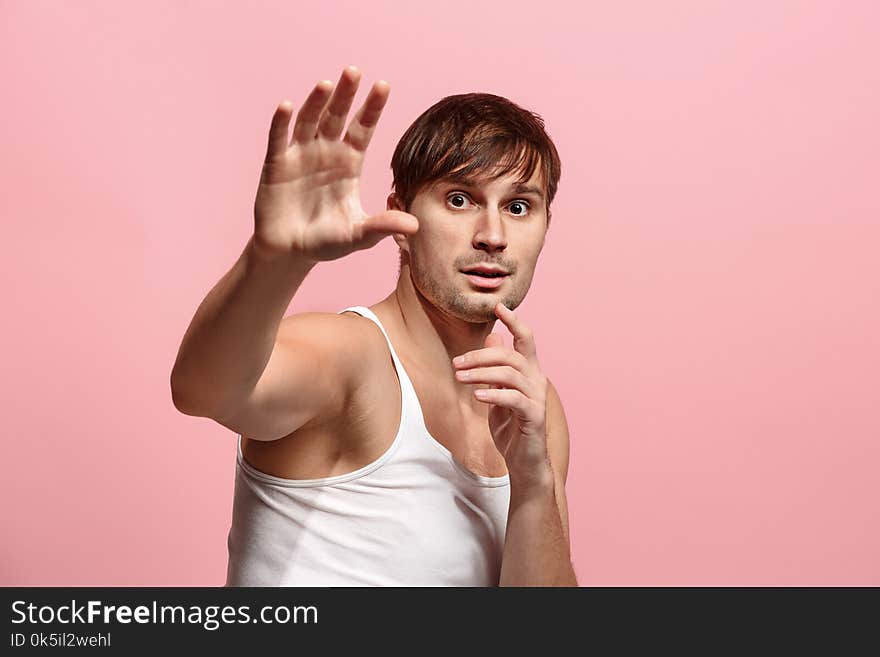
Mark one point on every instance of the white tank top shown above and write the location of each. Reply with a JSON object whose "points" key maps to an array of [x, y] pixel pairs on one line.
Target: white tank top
{"points": [[413, 517]]}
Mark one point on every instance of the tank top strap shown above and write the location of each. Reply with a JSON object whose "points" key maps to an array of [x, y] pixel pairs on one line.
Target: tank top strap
{"points": [[413, 416], [409, 391]]}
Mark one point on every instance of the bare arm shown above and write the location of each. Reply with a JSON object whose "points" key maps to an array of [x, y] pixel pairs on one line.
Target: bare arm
{"points": [[529, 429], [240, 362], [231, 337], [536, 551], [537, 547]]}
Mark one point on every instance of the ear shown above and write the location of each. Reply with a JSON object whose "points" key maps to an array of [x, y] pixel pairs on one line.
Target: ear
{"points": [[393, 203]]}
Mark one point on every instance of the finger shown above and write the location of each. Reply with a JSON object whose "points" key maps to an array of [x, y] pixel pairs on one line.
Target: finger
{"points": [[525, 408], [494, 340], [502, 376], [278, 130], [492, 356], [531, 416], [376, 228], [333, 117], [306, 126], [363, 125], [523, 338]]}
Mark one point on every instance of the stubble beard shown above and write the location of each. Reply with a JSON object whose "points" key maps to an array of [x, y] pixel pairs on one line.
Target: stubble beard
{"points": [[475, 306]]}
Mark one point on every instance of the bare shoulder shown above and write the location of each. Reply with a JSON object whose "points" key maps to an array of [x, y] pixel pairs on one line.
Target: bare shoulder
{"points": [[347, 344], [315, 376], [558, 442], [337, 355], [323, 326]]}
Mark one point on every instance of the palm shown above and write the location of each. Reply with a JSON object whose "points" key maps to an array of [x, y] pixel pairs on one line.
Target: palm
{"points": [[318, 183], [518, 440], [505, 429], [308, 200]]}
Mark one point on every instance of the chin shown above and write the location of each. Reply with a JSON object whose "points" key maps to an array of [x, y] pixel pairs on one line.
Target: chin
{"points": [[463, 303], [478, 308]]}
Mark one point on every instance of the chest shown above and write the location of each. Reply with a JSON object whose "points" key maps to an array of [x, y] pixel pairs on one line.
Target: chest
{"points": [[464, 433], [368, 428]]}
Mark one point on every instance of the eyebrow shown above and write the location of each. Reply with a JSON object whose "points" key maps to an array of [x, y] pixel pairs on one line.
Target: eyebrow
{"points": [[471, 182]]}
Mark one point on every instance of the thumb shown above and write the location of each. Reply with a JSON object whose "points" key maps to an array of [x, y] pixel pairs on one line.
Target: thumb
{"points": [[379, 226]]}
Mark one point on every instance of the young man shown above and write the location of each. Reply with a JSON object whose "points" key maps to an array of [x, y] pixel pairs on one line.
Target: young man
{"points": [[368, 454]]}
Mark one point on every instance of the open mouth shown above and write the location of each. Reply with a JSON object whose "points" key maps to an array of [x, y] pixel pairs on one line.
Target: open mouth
{"points": [[485, 280]]}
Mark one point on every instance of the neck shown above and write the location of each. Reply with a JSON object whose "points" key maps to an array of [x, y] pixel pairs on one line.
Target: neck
{"points": [[434, 336]]}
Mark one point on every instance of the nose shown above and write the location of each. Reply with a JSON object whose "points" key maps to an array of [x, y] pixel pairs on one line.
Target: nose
{"points": [[489, 233]]}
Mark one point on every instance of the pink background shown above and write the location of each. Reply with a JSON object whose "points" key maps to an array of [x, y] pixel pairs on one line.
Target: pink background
{"points": [[706, 303]]}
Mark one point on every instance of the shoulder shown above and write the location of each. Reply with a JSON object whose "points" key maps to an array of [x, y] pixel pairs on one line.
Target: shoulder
{"points": [[337, 331], [343, 344], [310, 322], [558, 444]]}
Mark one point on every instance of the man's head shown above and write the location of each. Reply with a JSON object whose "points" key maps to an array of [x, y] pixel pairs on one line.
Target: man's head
{"points": [[480, 173]]}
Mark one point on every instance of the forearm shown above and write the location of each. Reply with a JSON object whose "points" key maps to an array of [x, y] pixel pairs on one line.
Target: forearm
{"points": [[230, 339], [536, 550]]}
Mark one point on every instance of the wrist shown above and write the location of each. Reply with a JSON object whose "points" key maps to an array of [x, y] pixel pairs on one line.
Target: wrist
{"points": [[538, 483], [284, 262]]}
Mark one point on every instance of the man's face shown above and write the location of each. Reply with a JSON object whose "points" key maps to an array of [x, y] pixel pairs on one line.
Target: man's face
{"points": [[496, 222]]}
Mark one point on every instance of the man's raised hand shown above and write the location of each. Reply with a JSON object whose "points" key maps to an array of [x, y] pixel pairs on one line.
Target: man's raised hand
{"points": [[308, 201]]}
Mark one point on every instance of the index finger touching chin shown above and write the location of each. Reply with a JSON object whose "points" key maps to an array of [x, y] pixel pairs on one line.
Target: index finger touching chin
{"points": [[523, 338]]}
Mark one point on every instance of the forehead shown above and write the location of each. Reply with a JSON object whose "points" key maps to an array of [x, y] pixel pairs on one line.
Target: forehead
{"points": [[511, 181]]}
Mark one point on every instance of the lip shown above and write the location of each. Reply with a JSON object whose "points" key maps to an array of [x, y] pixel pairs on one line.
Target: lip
{"points": [[486, 283], [487, 269]]}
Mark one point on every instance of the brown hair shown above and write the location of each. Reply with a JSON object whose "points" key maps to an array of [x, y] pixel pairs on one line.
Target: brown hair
{"points": [[475, 135]]}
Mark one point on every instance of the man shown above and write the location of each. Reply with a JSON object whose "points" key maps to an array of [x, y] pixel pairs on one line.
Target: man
{"points": [[367, 454]]}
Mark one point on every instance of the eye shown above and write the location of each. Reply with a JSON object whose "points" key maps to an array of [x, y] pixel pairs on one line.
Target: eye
{"points": [[457, 200], [521, 205]]}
